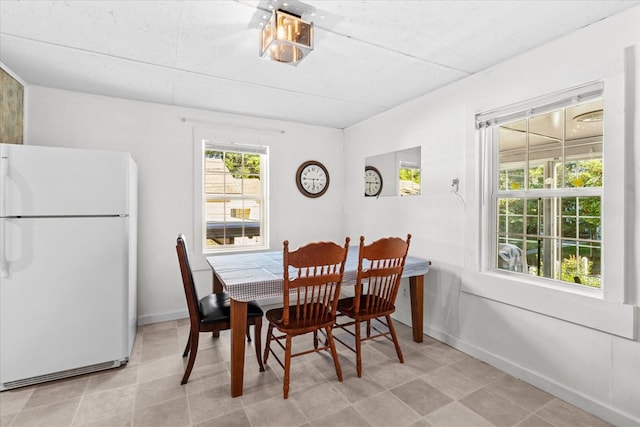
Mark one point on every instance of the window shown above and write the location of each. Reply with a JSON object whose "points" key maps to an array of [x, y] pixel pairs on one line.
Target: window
{"points": [[409, 176], [233, 196], [546, 189]]}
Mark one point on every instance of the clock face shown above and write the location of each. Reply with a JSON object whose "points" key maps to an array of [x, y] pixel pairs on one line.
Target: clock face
{"points": [[312, 179], [372, 181]]}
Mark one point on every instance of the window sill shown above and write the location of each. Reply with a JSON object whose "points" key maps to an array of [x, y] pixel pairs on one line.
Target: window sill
{"points": [[583, 308]]}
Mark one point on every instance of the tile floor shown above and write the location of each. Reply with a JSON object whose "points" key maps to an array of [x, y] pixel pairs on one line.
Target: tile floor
{"points": [[436, 386]]}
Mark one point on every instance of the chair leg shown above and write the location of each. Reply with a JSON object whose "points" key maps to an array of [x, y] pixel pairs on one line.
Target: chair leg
{"points": [[267, 346], [248, 333], [358, 348], [188, 346], [395, 338], [334, 353], [287, 367], [257, 330], [194, 336]]}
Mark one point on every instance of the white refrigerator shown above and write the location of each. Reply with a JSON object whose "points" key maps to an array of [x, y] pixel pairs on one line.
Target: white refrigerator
{"points": [[68, 226]]}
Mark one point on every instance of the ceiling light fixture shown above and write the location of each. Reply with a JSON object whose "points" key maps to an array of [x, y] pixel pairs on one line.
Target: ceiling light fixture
{"points": [[589, 117], [286, 38]]}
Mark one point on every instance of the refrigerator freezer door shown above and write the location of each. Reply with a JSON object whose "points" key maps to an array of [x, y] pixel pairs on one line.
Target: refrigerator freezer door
{"points": [[63, 304], [50, 181]]}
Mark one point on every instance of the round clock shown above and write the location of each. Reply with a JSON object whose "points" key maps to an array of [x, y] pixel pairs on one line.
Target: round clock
{"points": [[372, 181], [312, 179]]}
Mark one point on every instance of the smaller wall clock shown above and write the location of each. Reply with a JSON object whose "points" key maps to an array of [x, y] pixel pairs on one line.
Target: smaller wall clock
{"points": [[312, 178], [372, 181]]}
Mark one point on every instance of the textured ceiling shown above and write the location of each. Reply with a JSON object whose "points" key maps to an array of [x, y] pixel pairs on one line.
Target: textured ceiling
{"points": [[369, 56]]}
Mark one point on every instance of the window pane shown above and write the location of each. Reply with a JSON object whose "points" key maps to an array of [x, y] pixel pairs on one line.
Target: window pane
{"points": [[511, 256], [409, 181], [546, 132], [583, 173], [512, 140], [233, 199], [557, 229], [584, 121], [581, 263]]}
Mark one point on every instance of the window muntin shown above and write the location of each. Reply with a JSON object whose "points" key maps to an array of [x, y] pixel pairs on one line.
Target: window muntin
{"points": [[233, 197], [548, 193]]}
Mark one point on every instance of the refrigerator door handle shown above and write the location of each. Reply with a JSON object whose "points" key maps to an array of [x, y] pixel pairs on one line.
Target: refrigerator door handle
{"points": [[4, 173], [4, 267]]}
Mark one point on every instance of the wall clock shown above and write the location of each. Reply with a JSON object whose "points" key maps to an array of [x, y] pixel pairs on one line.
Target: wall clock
{"points": [[372, 181], [312, 178]]}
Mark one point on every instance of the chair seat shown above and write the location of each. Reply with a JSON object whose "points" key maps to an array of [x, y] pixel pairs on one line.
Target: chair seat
{"points": [[345, 306], [217, 307], [301, 326]]}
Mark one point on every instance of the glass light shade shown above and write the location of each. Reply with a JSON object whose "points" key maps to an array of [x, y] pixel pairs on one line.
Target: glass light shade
{"points": [[286, 38]]}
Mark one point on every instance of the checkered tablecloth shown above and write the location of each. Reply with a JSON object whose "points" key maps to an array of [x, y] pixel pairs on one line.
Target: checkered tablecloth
{"points": [[256, 276]]}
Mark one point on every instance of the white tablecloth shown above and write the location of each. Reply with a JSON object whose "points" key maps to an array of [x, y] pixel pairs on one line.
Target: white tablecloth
{"points": [[258, 275]]}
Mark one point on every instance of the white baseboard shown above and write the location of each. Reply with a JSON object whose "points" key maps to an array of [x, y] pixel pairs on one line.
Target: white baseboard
{"points": [[607, 413], [165, 317]]}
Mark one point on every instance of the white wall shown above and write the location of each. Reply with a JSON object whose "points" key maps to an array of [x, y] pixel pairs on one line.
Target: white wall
{"points": [[162, 145], [586, 365]]}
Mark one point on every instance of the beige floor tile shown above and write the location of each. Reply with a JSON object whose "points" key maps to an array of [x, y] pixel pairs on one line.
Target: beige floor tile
{"points": [[562, 414], [495, 408], [345, 417], [234, 419], [456, 415], [12, 401], [317, 400], [57, 391], [421, 397], [172, 413], [303, 373], [356, 389], [112, 378], [275, 412], [213, 402], [103, 404], [159, 336], [477, 370], [55, 415], [451, 383], [421, 363], [159, 368], [421, 423], [159, 325], [534, 421], [158, 351], [385, 409], [118, 420], [390, 374], [520, 392], [205, 377], [443, 353], [160, 390]]}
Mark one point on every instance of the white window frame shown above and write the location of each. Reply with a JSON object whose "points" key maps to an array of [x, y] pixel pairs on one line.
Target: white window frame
{"points": [[606, 310], [207, 138]]}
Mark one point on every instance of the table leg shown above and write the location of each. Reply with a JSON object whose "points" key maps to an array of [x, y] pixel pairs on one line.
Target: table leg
{"points": [[238, 330], [216, 285], [217, 288], [416, 292]]}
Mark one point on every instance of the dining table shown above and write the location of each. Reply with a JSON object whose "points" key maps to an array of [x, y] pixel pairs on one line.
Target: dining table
{"points": [[249, 276]]}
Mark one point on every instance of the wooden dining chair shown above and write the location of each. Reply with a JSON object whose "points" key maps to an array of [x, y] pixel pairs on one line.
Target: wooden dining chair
{"points": [[312, 278], [211, 313], [380, 266]]}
